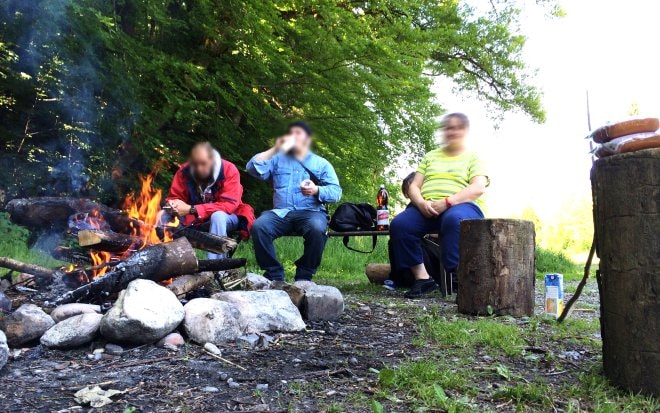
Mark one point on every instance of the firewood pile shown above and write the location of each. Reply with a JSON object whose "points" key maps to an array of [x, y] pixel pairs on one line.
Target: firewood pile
{"points": [[108, 249]]}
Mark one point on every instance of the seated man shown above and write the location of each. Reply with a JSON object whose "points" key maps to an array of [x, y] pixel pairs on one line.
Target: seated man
{"points": [[208, 188], [303, 182], [446, 189]]}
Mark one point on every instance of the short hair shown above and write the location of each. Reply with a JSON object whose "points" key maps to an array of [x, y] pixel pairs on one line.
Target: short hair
{"points": [[405, 184], [205, 145], [300, 124], [461, 117]]}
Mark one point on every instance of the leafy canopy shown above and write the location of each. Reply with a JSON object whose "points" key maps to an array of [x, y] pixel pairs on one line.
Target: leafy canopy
{"points": [[93, 92]]}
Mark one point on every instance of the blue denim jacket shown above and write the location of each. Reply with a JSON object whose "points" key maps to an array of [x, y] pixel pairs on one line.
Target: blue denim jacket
{"points": [[286, 173]]}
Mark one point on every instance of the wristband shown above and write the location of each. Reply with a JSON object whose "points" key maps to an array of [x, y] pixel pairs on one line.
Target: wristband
{"points": [[448, 204]]}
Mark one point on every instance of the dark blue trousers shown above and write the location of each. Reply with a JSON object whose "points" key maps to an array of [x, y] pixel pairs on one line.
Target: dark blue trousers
{"points": [[269, 226], [408, 228]]}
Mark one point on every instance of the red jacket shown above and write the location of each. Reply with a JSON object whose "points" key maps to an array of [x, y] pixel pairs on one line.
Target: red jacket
{"points": [[224, 194]]}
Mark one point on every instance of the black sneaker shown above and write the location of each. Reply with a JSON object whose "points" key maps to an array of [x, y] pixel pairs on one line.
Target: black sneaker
{"points": [[421, 287]]}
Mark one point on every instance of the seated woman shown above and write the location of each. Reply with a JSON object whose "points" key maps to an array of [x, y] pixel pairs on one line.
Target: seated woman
{"points": [[446, 189]]}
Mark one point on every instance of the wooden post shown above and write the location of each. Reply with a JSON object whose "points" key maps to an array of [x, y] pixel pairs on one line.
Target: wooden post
{"points": [[626, 191], [496, 270]]}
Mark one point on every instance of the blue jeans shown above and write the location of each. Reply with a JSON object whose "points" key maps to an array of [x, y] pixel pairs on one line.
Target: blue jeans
{"points": [[269, 226], [221, 224], [408, 228]]}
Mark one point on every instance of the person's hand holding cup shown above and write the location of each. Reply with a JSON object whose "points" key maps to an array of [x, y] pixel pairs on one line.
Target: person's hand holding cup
{"points": [[285, 143], [308, 188]]}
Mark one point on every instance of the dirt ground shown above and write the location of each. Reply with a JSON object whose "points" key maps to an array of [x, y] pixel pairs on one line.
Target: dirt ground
{"points": [[333, 366]]}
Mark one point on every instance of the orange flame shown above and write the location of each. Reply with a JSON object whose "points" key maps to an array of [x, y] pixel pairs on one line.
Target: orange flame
{"points": [[98, 258]]}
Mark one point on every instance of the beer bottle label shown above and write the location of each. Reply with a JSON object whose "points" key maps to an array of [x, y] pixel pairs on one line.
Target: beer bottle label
{"points": [[383, 217]]}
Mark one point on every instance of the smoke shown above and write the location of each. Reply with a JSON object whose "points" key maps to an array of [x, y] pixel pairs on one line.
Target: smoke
{"points": [[56, 53]]}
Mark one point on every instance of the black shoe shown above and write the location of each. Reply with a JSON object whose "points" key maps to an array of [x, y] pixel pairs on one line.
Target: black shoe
{"points": [[421, 287]]}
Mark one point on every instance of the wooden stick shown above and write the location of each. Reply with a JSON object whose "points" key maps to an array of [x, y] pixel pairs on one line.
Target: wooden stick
{"points": [[225, 360], [31, 269], [583, 282], [108, 241]]}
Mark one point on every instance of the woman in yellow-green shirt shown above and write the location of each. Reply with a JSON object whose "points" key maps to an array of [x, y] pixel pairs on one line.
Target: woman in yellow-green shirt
{"points": [[447, 189]]}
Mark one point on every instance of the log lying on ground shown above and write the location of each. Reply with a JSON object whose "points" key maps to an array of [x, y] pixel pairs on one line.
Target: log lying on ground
{"points": [[108, 241], [36, 270], [156, 262], [190, 282], [71, 255], [53, 213], [378, 273], [203, 240]]}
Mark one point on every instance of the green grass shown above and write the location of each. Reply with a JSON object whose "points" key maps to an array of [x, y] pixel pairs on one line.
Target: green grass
{"points": [[423, 385], [462, 333], [548, 261], [14, 244]]}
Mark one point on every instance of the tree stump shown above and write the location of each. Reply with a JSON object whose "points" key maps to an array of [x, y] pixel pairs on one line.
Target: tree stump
{"points": [[626, 191], [496, 270]]}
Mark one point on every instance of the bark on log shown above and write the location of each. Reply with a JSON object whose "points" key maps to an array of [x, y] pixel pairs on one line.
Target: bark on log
{"points": [[626, 192], [71, 255], [156, 262], [378, 273], [223, 264], [47, 213], [497, 267], [190, 282], [203, 240], [108, 241], [36, 270]]}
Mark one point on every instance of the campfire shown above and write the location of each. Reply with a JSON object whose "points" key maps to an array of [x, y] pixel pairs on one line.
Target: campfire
{"points": [[114, 247]]}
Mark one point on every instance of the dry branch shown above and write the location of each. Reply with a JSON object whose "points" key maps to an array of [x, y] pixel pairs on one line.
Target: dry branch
{"points": [[31, 269], [108, 241]]}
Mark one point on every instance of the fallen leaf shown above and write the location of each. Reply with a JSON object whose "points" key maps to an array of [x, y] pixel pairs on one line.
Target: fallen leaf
{"points": [[95, 396]]}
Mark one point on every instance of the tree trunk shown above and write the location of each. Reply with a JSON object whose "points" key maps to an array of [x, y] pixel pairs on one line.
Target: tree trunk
{"points": [[497, 267], [626, 191]]}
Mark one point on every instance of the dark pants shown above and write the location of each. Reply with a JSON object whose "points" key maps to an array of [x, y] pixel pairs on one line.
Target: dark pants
{"points": [[269, 226], [408, 228]]}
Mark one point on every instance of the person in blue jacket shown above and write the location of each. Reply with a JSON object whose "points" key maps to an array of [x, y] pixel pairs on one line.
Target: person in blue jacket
{"points": [[302, 182]]}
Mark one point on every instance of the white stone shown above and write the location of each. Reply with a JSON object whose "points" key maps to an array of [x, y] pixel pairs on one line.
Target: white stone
{"points": [[144, 313], [267, 310], [256, 282], [26, 324], [322, 302], [65, 311], [4, 350], [211, 321], [73, 332]]}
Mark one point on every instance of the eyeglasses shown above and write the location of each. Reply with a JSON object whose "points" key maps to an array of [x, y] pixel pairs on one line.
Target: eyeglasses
{"points": [[450, 128]]}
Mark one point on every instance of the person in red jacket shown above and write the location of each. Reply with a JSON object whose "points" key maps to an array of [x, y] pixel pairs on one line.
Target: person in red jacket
{"points": [[208, 188]]}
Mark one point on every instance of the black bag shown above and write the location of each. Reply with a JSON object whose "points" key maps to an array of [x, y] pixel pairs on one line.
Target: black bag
{"points": [[432, 261], [350, 217]]}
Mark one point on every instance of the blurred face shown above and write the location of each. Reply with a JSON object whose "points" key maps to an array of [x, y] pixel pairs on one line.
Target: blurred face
{"points": [[301, 138], [202, 163], [454, 132]]}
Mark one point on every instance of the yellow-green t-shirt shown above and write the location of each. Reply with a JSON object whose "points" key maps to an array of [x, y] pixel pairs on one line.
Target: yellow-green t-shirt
{"points": [[446, 175]]}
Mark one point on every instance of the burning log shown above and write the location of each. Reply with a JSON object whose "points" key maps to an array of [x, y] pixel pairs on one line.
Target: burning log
{"points": [[156, 262], [54, 212], [71, 255], [108, 241], [203, 240]]}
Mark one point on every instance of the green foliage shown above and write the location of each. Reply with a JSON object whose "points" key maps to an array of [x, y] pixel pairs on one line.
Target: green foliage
{"points": [[14, 244], [94, 92]]}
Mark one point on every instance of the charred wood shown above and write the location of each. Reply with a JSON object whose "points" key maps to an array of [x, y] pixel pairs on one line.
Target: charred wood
{"points": [[108, 241]]}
